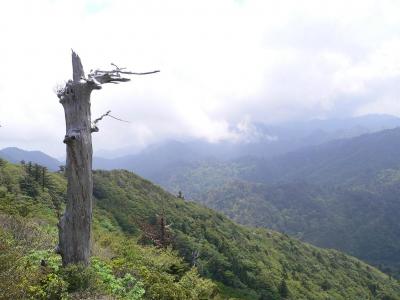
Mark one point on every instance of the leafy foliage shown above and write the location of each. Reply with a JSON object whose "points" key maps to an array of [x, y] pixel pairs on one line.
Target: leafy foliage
{"points": [[122, 269], [255, 260], [211, 257], [341, 195]]}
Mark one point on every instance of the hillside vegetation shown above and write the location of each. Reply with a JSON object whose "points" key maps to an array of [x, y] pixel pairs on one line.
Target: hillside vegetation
{"points": [[206, 256], [342, 195]]}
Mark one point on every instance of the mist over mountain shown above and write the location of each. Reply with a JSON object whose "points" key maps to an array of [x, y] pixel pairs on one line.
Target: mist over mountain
{"points": [[253, 140], [258, 140]]}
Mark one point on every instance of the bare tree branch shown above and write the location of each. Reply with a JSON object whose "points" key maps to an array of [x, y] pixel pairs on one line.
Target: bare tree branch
{"points": [[113, 76], [101, 117], [118, 119], [107, 114], [128, 72], [120, 70]]}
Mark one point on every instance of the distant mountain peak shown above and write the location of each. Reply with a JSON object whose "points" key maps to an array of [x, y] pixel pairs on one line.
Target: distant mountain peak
{"points": [[16, 155]]}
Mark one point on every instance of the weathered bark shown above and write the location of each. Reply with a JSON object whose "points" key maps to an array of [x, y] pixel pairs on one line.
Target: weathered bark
{"points": [[75, 224]]}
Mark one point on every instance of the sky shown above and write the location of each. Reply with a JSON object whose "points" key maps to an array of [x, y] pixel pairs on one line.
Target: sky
{"points": [[224, 65]]}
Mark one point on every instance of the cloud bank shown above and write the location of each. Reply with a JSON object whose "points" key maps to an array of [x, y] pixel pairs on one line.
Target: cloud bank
{"points": [[223, 64]]}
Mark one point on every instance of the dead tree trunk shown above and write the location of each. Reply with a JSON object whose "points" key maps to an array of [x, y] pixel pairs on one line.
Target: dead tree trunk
{"points": [[75, 224]]}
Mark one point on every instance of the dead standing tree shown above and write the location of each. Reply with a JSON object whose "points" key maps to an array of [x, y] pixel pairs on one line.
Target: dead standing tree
{"points": [[75, 224]]}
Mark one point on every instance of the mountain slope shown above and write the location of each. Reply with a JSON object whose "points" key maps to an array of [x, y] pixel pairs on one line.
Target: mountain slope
{"points": [[16, 155], [256, 259], [358, 221], [120, 267], [341, 162], [342, 194], [250, 263], [149, 162], [346, 161]]}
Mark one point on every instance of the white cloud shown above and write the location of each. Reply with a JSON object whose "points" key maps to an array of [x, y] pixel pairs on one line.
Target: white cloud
{"points": [[219, 61]]}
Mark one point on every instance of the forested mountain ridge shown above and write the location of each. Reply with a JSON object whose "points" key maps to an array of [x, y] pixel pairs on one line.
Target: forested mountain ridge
{"points": [[340, 162], [246, 263], [350, 161], [360, 221], [342, 194], [16, 155]]}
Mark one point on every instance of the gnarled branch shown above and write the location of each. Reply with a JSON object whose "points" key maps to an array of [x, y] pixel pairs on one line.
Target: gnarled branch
{"points": [[113, 76], [107, 114]]}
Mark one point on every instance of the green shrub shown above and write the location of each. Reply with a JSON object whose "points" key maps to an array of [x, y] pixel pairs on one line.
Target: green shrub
{"points": [[50, 287], [126, 287], [79, 277]]}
